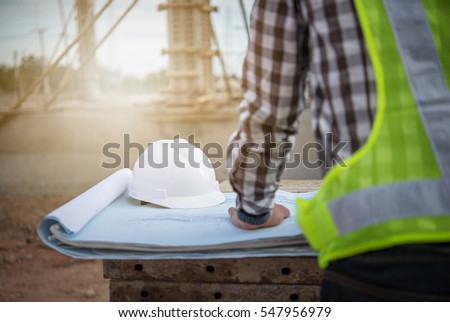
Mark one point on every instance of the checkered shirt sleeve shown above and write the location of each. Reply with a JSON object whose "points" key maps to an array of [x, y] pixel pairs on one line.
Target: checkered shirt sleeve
{"points": [[288, 39]]}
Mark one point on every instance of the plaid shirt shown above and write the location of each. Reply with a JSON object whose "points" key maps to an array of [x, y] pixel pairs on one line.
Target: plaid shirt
{"points": [[288, 39]]}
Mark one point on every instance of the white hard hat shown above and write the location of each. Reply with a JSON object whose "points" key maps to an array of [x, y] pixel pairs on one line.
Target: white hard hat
{"points": [[175, 174]]}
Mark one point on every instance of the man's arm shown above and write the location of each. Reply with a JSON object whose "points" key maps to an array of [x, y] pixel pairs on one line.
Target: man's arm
{"points": [[274, 73]]}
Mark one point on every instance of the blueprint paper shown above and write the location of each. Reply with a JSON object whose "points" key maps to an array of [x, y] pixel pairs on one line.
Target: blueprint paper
{"points": [[95, 253], [104, 222], [126, 222]]}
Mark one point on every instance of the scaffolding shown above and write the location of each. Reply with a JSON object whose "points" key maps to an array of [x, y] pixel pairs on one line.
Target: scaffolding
{"points": [[192, 44]]}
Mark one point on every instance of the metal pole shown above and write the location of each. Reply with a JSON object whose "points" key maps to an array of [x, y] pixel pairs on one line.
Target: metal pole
{"points": [[64, 26], [46, 85], [244, 16], [17, 74], [222, 61], [40, 32]]}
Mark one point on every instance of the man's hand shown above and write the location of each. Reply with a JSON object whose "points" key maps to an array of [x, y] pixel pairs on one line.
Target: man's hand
{"points": [[279, 213]]}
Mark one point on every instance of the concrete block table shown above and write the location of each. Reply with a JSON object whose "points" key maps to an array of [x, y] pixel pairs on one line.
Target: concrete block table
{"points": [[236, 279]]}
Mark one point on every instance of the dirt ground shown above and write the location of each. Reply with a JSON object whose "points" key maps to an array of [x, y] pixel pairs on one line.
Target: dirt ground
{"points": [[29, 270]]}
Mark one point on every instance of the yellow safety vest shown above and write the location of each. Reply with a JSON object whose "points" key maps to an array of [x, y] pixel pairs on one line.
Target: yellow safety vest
{"points": [[396, 188]]}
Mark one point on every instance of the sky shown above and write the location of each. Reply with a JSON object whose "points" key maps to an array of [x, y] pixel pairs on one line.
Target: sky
{"points": [[135, 46]]}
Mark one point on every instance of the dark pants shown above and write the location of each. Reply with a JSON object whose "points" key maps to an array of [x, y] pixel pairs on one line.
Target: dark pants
{"points": [[418, 272]]}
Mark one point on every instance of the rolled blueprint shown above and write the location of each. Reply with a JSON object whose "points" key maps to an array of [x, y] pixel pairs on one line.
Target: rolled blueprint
{"points": [[75, 214]]}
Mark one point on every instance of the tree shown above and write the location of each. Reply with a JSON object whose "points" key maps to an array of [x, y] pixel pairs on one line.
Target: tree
{"points": [[30, 69], [7, 78]]}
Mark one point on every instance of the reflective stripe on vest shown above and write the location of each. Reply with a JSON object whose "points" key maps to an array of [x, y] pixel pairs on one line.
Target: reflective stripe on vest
{"points": [[382, 203], [427, 82], [396, 188], [422, 66]]}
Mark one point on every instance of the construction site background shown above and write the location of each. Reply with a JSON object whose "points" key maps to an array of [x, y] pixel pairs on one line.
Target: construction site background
{"points": [[51, 146]]}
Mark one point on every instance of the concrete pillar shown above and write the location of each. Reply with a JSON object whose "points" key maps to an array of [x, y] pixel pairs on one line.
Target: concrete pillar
{"points": [[190, 57], [88, 75]]}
